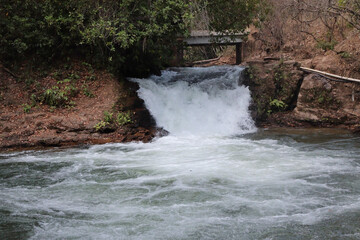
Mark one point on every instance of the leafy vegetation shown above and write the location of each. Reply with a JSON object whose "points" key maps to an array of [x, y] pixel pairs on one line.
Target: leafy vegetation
{"points": [[277, 105], [54, 97], [26, 108], [87, 92], [326, 45], [108, 117], [110, 32], [132, 37], [123, 118], [110, 123], [100, 126], [345, 55]]}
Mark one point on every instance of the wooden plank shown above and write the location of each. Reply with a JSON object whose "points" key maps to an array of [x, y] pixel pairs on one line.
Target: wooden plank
{"points": [[329, 74], [204, 33], [209, 40]]}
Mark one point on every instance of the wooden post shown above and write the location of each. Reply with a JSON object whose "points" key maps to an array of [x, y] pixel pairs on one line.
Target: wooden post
{"points": [[238, 53], [179, 55]]}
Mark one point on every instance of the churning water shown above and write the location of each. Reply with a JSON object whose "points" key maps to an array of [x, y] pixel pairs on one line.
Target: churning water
{"points": [[214, 177], [199, 101]]}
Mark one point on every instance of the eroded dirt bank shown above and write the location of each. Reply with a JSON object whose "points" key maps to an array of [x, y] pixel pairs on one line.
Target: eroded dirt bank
{"points": [[285, 96], [71, 105]]}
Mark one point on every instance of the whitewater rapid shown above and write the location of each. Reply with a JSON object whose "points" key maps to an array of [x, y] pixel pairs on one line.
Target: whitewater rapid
{"points": [[199, 101], [215, 176]]}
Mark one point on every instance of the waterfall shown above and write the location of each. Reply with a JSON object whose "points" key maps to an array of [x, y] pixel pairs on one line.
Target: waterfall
{"points": [[198, 101]]}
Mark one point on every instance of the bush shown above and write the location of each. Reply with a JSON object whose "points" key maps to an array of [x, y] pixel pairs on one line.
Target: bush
{"points": [[108, 117], [87, 92], [123, 118], [277, 105], [26, 108], [100, 126], [110, 32], [55, 97], [326, 45], [132, 37]]}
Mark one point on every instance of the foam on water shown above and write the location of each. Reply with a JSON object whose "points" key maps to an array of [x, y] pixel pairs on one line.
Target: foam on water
{"points": [[183, 188], [208, 181], [198, 101]]}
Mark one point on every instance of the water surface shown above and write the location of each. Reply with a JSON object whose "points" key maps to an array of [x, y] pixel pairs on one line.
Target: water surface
{"points": [[208, 179]]}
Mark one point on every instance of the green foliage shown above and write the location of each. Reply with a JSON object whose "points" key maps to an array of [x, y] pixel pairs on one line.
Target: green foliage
{"points": [[108, 117], [111, 32], [26, 108], [251, 73], [100, 126], [279, 75], [345, 55], [71, 90], [131, 37], [58, 95], [33, 99], [109, 123], [29, 81], [87, 92], [54, 97], [326, 45], [231, 15], [350, 11], [123, 118], [277, 105]]}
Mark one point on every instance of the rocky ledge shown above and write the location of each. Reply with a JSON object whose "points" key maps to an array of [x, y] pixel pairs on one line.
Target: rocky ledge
{"points": [[108, 111], [285, 96]]}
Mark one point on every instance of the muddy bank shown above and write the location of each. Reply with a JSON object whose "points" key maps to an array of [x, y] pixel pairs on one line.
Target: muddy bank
{"points": [[95, 108], [285, 96]]}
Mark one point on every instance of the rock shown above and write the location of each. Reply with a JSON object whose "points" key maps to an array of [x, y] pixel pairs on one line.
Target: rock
{"points": [[143, 118], [311, 100], [63, 124], [160, 132], [305, 115], [322, 101], [327, 63], [315, 81], [277, 80]]}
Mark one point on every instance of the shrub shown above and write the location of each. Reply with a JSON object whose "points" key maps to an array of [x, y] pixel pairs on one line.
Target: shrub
{"points": [[55, 97], [345, 55], [277, 105], [100, 126], [326, 45], [123, 118], [26, 108], [87, 92], [108, 32], [108, 117]]}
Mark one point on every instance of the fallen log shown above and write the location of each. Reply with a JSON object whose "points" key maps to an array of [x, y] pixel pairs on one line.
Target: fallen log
{"points": [[329, 75]]}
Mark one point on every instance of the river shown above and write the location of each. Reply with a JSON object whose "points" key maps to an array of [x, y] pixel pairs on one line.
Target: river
{"points": [[215, 176]]}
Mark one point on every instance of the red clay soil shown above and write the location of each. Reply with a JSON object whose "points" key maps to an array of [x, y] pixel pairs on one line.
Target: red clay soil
{"points": [[27, 122]]}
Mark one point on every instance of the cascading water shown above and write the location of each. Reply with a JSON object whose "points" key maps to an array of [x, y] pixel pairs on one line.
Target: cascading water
{"points": [[198, 101], [212, 177]]}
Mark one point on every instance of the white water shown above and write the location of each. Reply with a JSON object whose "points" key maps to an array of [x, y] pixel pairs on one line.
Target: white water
{"points": [[212, 180], [198, 101]]}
